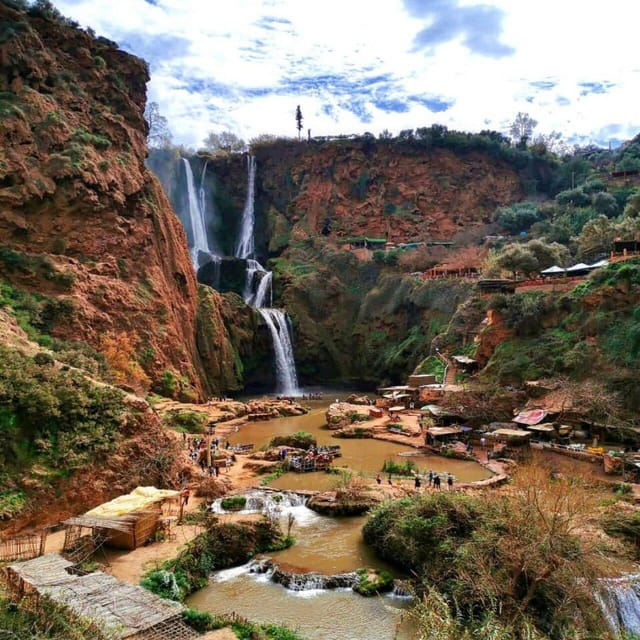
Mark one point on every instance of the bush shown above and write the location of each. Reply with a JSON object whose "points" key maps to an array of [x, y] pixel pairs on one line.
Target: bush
{"points": [[501, 557], [234, 503], [187, 421], [406, 468], [372, 582], [221, 546], [298, 440]]}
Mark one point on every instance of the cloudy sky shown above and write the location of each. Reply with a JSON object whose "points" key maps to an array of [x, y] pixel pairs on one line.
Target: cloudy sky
{"points": [[364, 65]]}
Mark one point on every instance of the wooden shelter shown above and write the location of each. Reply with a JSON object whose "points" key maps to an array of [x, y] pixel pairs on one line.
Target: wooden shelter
{"points": [[120, 609], [126, 522]]}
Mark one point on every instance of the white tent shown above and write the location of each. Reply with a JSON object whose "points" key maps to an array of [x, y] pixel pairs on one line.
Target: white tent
{"points": [[600, 263], [581, 266], [552, 270]]}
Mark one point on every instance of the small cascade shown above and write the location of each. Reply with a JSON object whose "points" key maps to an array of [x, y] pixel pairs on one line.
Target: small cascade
{"points": [[250, 293], [621, 604], [266, 502], [402, 589], [263, 288], [313, 581], [286, 378], [245, 247], [196, 218]]}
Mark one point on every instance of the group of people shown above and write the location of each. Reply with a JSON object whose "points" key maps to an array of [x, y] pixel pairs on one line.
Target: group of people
{"points": [[198, 453], [434, 479]]}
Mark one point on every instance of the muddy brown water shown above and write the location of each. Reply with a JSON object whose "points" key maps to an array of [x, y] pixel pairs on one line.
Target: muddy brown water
{"points": [[365, 456], [323, 544]]}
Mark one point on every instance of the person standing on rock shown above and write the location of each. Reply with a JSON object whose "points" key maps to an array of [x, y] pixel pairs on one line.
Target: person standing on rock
{"points": [[436, 482], [416, 483], [430, 478], [449, 482]]}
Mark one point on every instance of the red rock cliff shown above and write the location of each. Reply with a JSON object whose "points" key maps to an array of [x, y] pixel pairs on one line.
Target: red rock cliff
{"points": [[81, 218]]}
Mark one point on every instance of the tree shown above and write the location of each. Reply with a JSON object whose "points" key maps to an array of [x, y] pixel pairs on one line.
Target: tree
{"points": [[223, 143], [522, 128], [298, 120], [517, 217], [605, 204], [550, 143], [158, 135]]}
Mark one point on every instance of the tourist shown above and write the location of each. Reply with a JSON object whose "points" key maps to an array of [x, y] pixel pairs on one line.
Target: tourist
{"points": [[483, 442], [185, 496], [449, 481], [416, 483], [430, 478], [389, 481], [378, 479], [436, 481]]}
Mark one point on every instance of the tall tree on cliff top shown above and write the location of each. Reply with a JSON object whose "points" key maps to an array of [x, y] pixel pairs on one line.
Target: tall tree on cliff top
{"points": [[522, 128], [298, 120], [159, 135]]}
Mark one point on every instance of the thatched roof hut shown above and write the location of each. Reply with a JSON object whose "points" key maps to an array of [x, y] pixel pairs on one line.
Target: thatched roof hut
{"points": [[120, 609]]}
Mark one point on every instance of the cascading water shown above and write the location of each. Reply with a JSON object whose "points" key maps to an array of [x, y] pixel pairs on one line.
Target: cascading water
{"points": [[196, 218], [256, 290], [286, 378], [622, 604], [245, 247], [266, 502], [263, 288]]}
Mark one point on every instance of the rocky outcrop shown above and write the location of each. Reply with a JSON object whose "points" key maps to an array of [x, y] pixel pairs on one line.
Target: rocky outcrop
{"points": [[336, 503], [82, 220]]}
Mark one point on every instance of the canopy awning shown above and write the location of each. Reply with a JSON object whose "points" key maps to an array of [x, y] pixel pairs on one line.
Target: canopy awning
{"points": [[463, 359], [554, 269], [396, 396], [511, 433], [545, 427], [581, 266], [533, 416], [444, 431]]}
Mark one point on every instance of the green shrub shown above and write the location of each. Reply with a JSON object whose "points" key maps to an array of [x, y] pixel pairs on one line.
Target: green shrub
{"points": [[202, 621], [187, 421], [372, 582], [234, 503], [221, 546], [406, 468], [298, 440]]}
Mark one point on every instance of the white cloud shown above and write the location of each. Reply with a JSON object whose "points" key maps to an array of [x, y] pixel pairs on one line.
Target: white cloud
{"points": [[245, 65]]}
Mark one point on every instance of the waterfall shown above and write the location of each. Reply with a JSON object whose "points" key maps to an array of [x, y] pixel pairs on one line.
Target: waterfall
{"points": [[245, 247], [196, 218], [263, 288], [621, 604], [255, 294], [249, 294], [286, 379]]}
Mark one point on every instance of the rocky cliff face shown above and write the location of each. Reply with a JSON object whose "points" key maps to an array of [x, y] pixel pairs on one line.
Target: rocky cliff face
{"points": [[82, 220], [382, 189]]}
